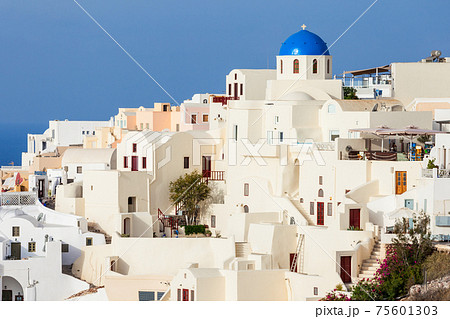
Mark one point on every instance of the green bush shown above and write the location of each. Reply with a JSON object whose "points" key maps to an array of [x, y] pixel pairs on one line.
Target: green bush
{"points": [[194, 229], [437, 266]]}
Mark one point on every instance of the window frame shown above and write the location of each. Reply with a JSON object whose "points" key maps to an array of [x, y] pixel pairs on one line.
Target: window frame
{"points": [[79, 169], [89, 241], [186, 162], [296, 66], [315, 66], [246, 189], [31, 246], [207, 117], [14, 229]]}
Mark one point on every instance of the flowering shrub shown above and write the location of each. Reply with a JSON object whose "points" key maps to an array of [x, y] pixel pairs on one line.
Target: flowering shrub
{"points": [[336, 295]]}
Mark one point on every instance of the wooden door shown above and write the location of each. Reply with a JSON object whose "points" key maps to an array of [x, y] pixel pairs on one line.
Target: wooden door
{"points": [[320, 213], [355, 217], [206, 166], [346, 269], [16, 251], [185, 294], [7, 295], [292, 261], [400, 182], [134, 163]]}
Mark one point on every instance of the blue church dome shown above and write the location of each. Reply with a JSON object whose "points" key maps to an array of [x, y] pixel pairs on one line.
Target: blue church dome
{"points": [[304, 43]]}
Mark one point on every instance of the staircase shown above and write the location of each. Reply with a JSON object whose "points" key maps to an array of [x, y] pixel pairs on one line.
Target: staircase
{"points": [[370, 266], [243, 249], [296, 203]]}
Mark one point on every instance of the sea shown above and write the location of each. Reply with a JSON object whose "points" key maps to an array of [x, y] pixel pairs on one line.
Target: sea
{"points": [[13, 140]]}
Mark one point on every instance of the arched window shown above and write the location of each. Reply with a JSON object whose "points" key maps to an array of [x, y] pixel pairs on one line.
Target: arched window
{"points": [[292, 222], [245, 209], [315, 66], [205, 101], [320, 193], [328, 66], [296, 66], [281, 66]]}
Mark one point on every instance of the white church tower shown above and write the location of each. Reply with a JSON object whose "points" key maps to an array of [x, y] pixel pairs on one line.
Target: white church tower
{"points": [[304, 55]]}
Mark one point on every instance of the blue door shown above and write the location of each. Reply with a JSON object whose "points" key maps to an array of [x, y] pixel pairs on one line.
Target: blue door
{"points": [[409, 203]]}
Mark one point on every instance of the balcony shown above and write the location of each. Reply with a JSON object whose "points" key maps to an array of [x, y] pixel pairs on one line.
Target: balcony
{"points": [[439, 173], [213, 176], [224, 99]]}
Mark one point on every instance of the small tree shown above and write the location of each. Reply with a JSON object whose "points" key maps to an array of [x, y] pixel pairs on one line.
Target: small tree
{"points": [[413, 241], [350, 93], [189, 191]]}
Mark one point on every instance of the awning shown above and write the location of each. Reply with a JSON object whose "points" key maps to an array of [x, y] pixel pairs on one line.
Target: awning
{"points": [[380, 69]]}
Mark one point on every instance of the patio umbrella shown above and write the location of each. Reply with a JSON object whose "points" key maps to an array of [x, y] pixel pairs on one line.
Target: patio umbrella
{"points": [[410, 131], [373, 130]]}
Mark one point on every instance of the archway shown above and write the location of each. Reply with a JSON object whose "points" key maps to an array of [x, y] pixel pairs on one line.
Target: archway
{"points": [[11, 289]]}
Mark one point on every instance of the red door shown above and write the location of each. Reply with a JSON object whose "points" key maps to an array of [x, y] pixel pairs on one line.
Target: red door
{"points": [[235, 90], [346, 269], [134, 163], [292, 260], [320, 214], [355, 218], [185, 294], [206, 166]]}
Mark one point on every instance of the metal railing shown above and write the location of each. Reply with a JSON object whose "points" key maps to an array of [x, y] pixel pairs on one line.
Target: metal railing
{"points": [[13, 168], [441, 173], [18, 199]]}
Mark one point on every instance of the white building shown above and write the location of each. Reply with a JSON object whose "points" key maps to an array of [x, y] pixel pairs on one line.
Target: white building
{"points": [[35, 243], [60, 133]]}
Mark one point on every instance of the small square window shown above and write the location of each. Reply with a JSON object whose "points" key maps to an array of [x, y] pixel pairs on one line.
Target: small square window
{"points": [[316, 291], [79, 169], [193, 118], [186, 162], [64, 248], [32, 247], [146, 296], [205, 118], [16, 231], [134, 147], [88, 241]]}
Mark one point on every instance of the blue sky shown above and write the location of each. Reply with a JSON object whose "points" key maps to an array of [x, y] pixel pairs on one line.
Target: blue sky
{"points": [[57, 64]]}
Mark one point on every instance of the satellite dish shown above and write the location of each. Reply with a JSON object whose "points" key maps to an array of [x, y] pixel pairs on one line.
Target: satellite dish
{"points": [[348, 148], [436, 53]]}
